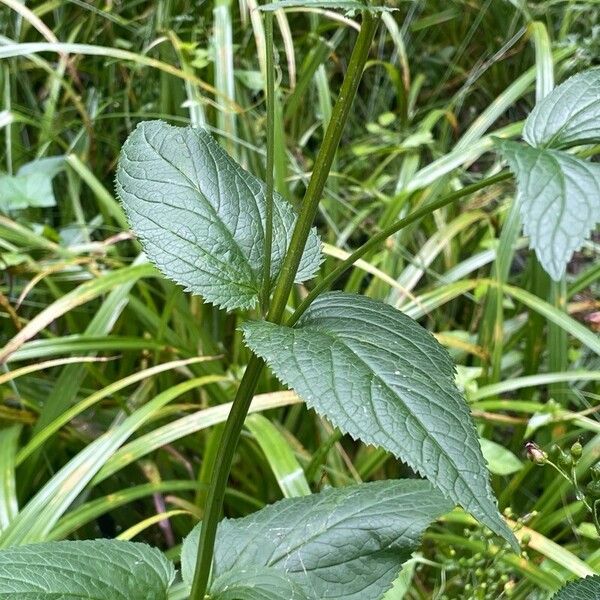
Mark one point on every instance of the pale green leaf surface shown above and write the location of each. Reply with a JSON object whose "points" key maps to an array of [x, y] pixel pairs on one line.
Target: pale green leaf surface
{"points": [[98, 569], [379, 376], [342, 543], [500, 460], [402, 583], [31, 187], [25, 191], [569, 115], [255, 584], [200, 216], [559, 198], [581, 589]]}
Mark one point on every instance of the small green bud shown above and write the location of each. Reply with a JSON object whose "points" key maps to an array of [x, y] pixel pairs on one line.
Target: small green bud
{"points": [[593, 489], [565, 461], [525, 539], [576, 450]]}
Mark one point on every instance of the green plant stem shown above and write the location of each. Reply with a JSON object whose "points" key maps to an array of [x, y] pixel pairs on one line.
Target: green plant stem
{"points": [[269, 174], [285, 282], [380, 237], [323, 163]]}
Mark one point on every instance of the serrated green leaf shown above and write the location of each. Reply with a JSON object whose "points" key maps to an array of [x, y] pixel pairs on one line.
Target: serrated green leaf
{"points": [[569, 115], [559, 196], [255, 583], [582, 589], [99, 569], [342, 543], [325, 4], [200, 216], [379, 376]]}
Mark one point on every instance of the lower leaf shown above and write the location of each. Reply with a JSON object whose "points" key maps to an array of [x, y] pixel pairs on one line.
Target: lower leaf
{"points": [[255, 584], [342, 543], [99, 569]]}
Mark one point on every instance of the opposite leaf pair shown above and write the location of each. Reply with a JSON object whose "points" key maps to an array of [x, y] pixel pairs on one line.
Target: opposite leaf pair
{"points": [[375, 373], [346, 543]]}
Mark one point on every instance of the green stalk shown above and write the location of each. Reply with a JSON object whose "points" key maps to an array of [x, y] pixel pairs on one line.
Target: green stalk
{"points": [[323, 163], [379, 238], [284, 285], [269, 175]]}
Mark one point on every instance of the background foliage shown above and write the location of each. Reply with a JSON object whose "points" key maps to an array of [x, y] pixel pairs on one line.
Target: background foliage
{"points": [[95, 340]]}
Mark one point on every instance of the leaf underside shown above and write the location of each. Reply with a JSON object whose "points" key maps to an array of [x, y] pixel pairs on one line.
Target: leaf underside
{"points": [[379, 376], [99, 569], [344, 543], [559, 196], [200, 216], [569, 115]]}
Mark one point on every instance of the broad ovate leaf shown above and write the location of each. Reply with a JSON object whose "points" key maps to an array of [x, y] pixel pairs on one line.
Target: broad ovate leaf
{"points": [[344, 543], [581, 589], [99, 569], [559, 197], [379, 376], [200, 216], [255, 583], [569, 115]]}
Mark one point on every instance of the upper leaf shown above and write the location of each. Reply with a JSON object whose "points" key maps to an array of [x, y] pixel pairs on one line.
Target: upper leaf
{"points": [[569, 115], [559, 198], [200, 216], [99, 569], [379, 376], [342, 543], [255, 583], [581, 589]]}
